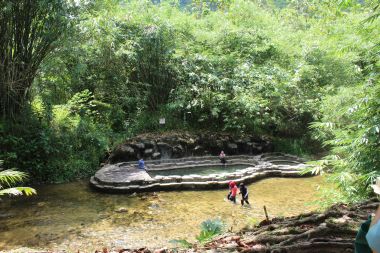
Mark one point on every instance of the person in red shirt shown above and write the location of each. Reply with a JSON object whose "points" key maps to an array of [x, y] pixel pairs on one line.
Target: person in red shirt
{"points": [[233, 191]]}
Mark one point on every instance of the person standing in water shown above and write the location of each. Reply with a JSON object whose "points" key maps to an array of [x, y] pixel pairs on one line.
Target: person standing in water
{"points": [[222, 157], [233, 191], [244, 194]]}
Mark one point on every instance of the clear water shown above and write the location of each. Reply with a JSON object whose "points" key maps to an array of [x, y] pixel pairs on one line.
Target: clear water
{"points": [[202, 171], [72, 217]]}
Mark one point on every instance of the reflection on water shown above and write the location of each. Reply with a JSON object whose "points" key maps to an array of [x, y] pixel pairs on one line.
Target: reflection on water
{"points": [[73, 217], [202, 170]]}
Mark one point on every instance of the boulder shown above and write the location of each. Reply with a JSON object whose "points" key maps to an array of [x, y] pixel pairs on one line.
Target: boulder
{"points": [[268, 146], [178, 151], [140, 146], [190, 142], [198, 150], [156, 155], [248, 147], [148, 152], [123, 153], [244, 146], [165, 149], [219, 144], [256, 148], [148, 143], [232, 148]]}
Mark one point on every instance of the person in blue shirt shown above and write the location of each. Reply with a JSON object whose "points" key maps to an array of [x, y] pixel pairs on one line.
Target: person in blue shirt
{"points": [[373, 235], [142, 164], [368, 237]]}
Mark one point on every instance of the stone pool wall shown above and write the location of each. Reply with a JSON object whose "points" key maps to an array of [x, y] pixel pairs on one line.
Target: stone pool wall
{"points": [[126, 178], [178, 145]]}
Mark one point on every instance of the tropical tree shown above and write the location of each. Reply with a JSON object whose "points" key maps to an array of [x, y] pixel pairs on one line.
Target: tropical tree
{"points": [[28, 30], [9, 178]]}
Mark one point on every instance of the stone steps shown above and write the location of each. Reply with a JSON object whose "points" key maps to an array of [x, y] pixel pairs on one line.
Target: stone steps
{"points": [[194, 185], [126, 177]]}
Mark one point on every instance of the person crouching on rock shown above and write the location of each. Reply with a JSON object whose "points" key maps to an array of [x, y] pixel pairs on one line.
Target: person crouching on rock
{"points": [[233, 191], [222, 157], [141, 164], [244, 194]]}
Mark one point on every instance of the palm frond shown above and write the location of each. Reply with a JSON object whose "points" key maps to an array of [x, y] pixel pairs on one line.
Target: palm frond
{"points": [[374, 16], [10, 177], [17, 191]]}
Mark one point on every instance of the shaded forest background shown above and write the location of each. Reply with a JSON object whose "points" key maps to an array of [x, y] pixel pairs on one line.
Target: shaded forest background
{"points": [[78, 77]]}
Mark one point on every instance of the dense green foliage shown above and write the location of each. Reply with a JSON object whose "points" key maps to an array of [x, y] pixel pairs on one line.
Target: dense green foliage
{"points": [[270, 68]]}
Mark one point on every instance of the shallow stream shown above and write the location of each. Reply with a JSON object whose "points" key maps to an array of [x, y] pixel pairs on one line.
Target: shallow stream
{"points": [[72, 217]]}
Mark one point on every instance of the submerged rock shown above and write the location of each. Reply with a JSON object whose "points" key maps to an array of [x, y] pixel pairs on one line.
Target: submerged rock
{"points": [[122, 210], [154, 206]]}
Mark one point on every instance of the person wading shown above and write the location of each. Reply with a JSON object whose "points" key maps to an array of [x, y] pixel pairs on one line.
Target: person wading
{"points": [[244, 194], [233, 192]]}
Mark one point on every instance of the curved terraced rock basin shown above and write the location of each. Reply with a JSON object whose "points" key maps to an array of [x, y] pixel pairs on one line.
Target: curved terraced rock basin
{"points": [[189, 173]]}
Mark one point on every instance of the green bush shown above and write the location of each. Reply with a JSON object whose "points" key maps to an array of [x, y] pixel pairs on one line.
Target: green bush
{"points": [[210, 229]]}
